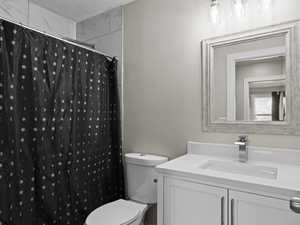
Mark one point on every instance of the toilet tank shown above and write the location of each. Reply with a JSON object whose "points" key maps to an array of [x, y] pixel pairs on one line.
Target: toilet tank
{"points": [[141, 177]]}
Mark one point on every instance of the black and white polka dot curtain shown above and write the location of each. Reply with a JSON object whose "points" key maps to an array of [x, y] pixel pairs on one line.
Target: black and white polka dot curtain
{"points": [[60, 146]]}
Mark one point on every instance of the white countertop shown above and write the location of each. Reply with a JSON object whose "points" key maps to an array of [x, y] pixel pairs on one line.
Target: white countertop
{"points": [[287, 182]]}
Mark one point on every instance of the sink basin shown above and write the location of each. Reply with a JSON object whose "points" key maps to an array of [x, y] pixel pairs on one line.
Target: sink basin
{"points": [[240, 168]]}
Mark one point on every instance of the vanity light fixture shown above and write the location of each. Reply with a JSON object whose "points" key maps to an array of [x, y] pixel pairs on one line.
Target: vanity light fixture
{"points": [[266, 4], [215, 11], [239, 7]]}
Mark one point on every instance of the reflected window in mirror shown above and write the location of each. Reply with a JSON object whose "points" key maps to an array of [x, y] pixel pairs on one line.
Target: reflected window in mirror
{"points": [[261, 107], [267, 104]]}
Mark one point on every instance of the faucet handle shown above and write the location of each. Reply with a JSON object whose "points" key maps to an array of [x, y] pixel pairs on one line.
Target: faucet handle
{"points": [[242, 141]]}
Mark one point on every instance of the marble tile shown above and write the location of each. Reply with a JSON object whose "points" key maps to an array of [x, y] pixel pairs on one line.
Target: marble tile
{"points": [[115, 19], [110, 43], [45, 20], [93, 27], [100, 25], [16, 10]]}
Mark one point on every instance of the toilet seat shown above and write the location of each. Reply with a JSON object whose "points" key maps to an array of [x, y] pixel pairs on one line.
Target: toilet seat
{"points": [[120, 212]]}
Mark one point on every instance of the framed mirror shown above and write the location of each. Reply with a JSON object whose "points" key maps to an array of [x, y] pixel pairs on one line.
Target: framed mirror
{"points": [[250, 82]]}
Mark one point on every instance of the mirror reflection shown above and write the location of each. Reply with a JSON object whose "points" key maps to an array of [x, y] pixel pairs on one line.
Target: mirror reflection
{"points": [[249, 80]]}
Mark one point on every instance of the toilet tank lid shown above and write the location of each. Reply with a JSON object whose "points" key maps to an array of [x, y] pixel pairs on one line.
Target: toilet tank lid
{"points": [[144, 159]]}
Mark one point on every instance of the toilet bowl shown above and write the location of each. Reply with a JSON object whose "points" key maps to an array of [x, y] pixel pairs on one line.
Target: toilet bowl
{"points": [[141, 187]]}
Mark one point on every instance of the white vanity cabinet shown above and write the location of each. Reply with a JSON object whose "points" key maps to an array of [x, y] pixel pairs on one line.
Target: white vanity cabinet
{"points": [[190, 203], [209, 186], [250, 209], [187, 203]]}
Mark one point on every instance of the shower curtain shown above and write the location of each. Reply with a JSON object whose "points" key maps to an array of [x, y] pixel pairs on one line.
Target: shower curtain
{"points": [[60, 144], [278, 106]]}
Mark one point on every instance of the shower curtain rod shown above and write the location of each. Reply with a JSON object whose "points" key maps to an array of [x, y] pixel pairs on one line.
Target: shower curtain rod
{"points": [[57, 37]]}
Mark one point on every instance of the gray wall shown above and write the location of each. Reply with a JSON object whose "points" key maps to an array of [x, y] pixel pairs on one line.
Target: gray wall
{"points": [[28, 13], [162, 76]]}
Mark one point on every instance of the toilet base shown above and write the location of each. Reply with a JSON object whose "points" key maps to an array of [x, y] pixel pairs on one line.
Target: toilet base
{"points": [[141, 218]]}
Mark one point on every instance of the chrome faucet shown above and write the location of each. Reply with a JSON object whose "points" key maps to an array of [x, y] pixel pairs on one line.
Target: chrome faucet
{"points": [[243, 149]]}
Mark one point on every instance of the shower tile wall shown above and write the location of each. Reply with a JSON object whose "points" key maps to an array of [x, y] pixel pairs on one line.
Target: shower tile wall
{"points": [[15, 10], [50, 22], [99, 28], [28, 13], [105, 31]]}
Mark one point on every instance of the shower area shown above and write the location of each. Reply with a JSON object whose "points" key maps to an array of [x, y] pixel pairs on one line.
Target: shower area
{"points": [[60, 128]]}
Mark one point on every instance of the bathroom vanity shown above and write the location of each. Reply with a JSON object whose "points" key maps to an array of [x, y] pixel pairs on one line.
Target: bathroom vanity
{"points": [[209, 186]]}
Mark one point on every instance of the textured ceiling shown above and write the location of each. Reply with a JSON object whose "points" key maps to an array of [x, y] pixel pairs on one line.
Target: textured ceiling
{"points": [[78, 10]]}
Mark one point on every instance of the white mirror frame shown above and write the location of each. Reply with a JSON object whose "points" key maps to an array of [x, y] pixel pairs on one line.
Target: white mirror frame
{"points": [[292, 125]]}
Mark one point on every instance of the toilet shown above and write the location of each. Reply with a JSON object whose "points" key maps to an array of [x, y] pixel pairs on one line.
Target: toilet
{"points": [[141, 182]]}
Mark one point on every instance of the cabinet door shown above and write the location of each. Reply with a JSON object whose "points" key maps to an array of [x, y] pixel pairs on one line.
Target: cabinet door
{"points": [[187, 203], [251, 209]]}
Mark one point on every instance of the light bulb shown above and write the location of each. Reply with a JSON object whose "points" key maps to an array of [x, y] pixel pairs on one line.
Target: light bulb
{"points": [[266, 4], [215, 11], [239, 8]]}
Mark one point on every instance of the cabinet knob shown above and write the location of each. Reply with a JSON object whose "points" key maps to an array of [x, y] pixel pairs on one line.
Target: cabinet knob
{"points": [[295, 204]]}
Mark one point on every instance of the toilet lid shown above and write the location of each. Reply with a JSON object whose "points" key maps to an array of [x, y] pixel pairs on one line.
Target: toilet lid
{"points": [[120, 212]]}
